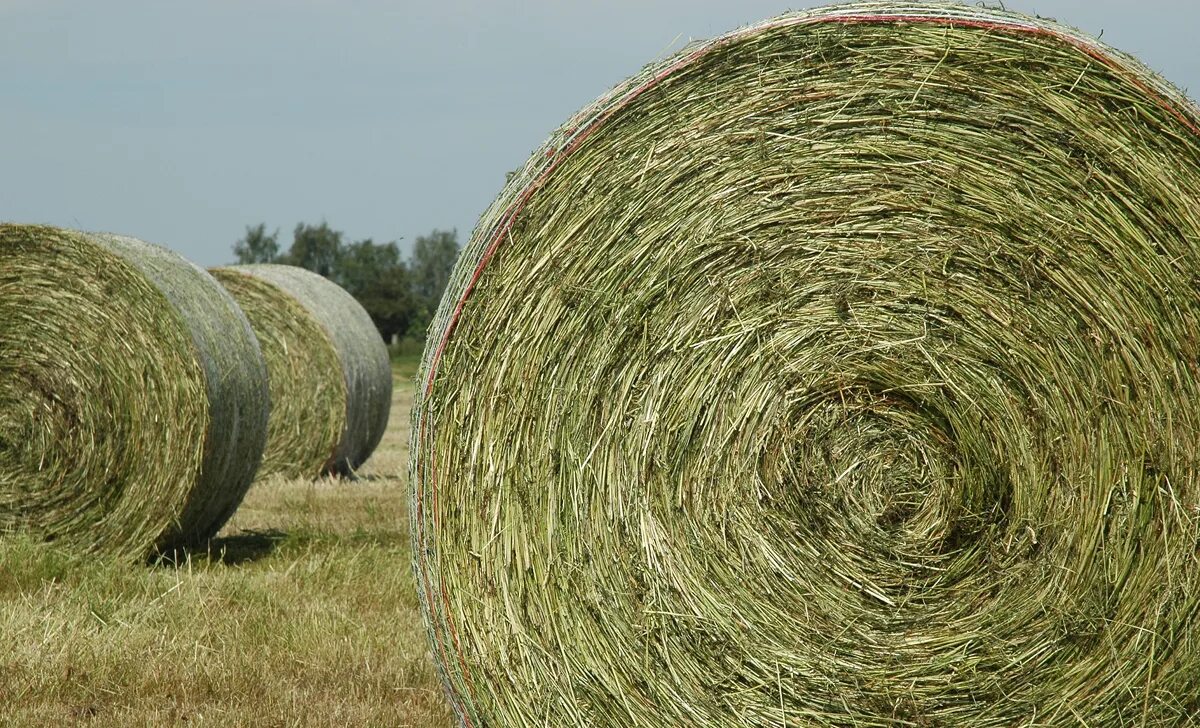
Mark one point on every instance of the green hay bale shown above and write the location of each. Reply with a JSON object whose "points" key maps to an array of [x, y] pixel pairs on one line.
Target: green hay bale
{"points": [[308, 393], [838, 371], [133, 395], [331, 377]]}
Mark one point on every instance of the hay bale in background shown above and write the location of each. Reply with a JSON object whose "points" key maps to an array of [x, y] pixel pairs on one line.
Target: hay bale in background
{"points": [[331, 377], [838, 371], [308, 392], [133, 395]]}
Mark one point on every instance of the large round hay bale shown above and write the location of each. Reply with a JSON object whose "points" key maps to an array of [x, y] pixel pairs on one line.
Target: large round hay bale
{"points": [[331, 376], [839, 371], [133, 395]]}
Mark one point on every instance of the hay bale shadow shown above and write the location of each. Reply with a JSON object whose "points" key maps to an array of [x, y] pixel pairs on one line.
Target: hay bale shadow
{"points": [[240, 548]]}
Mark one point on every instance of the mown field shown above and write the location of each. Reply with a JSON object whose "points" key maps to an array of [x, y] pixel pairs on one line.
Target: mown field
{"points": [[302, 614]]}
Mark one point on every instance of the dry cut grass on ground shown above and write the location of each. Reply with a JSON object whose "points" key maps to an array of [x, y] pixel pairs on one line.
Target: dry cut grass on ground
{"points": [[305, 614]]}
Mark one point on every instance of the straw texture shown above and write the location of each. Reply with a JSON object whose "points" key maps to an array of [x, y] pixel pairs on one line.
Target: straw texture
{"points": [[838, 371], [133, 395], [331, 376]]}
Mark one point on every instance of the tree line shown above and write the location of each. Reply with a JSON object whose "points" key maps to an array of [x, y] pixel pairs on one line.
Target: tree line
{"points": [[400, 295]]}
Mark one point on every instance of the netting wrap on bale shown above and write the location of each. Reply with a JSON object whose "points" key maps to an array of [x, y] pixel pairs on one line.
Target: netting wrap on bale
{"points": [[331, 376], [133, 395], [839, 371]]}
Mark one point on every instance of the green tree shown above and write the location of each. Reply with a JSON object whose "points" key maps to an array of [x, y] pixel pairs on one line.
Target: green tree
{"points": [[432, 260], [377, 276], [401, 296], [315, 247], [256, 246]]}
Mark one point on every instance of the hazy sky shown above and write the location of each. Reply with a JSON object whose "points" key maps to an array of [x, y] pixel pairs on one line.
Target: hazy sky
{"points": [[181, 122]]}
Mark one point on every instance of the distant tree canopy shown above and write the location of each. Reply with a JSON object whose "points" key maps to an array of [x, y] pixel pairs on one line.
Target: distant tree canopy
{"points": [[433, 257], [401, 295], [315, 247], [257, 246]]}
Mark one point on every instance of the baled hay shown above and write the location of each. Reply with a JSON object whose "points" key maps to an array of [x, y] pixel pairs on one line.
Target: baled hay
{"points": [[133, 395], [839, 371], [308, 393], [331, 377]]}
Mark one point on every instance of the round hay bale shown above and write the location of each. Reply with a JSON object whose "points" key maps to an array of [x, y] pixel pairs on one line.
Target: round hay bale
{"points": [[133, 395], [839, 371], [331, 376]]}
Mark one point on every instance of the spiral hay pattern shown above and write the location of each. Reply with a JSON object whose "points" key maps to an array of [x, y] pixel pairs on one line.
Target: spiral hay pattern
{"points": [[133, 396], [331, 376], [838, 371]]}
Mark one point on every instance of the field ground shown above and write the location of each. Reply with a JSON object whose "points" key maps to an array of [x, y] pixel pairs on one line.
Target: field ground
{"points": [[303, 614]]}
